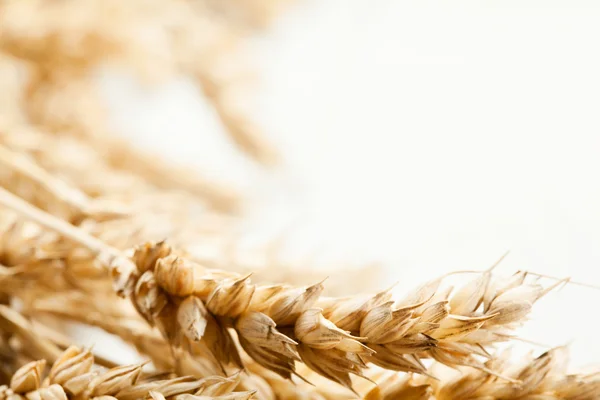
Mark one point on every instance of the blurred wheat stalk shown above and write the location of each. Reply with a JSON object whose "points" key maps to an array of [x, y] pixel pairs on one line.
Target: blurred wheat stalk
{"points": [[84, 216]]}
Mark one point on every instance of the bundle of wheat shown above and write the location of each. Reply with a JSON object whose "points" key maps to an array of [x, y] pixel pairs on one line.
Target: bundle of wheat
{"points": [[84, 215]]}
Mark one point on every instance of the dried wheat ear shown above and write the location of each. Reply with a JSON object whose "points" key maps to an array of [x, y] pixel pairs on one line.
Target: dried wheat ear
{"points": [[74, 375], [278, 325], [541, 378]]}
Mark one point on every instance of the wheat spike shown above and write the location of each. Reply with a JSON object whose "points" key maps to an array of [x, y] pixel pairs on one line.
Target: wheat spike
{"points": [[74, 373], [541, 378]]}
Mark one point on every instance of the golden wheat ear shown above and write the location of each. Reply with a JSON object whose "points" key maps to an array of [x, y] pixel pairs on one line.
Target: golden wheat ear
{"points": [[74, 372], [74, 375]]}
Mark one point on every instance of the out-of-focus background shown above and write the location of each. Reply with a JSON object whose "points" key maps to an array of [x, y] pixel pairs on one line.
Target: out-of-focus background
{"points": [[427, 135]]}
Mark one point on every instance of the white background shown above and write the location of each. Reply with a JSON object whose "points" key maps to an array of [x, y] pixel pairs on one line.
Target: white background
{"points": [[429, 135]]}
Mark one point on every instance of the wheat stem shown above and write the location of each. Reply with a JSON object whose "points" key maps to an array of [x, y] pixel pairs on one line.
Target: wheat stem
{"points": [[105, 253], [64, 193]]}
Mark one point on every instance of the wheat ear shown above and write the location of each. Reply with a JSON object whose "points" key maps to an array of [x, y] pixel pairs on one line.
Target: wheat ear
{"points": [[542, 377], [74, 375]]}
